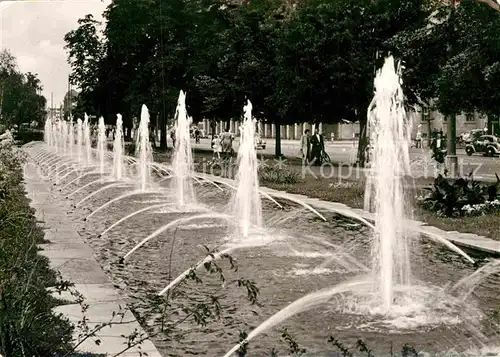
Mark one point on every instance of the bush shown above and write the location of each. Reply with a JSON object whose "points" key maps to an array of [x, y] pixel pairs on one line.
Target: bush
{"points": [[28, 326], [455, 197], [26, 136]]}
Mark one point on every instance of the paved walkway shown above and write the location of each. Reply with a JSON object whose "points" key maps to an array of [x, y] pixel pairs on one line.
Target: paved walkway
{"points": [[74, 260]]}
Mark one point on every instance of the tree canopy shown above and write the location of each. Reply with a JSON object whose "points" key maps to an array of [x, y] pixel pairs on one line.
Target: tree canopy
{"points": [[20, 99], [313, 60]]}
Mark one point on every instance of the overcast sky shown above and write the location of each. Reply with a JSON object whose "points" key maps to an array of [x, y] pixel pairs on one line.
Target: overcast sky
{"points": [[34, 32]]}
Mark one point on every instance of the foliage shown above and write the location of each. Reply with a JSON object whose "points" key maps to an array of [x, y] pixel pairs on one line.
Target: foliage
{"points": [[470, 78], [26, 135], [27, 324], [274, 54], [85, 53], [406, 351], [452, 60], [278, 175], [20, 101], [452, 198]]}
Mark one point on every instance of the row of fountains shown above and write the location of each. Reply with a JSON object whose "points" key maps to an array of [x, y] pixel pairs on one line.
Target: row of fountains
{"points": [[390, 290]]}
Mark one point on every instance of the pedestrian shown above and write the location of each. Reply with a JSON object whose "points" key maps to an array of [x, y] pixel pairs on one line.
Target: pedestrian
{"points": [[317, 148], [152, 138], [197, 135], [419, 139], [227, 143], [217, 146], [305, 142]]}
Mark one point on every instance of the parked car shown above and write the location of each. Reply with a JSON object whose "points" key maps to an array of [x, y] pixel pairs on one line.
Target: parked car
{"points": [[488, 145], [260, 144]]}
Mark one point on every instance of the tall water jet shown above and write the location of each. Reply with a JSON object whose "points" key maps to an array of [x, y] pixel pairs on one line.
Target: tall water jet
{"points": [[71, 136], [118, 150], [101, 144], [389, 137], [47, 132], [143, 150], [182, 164], [87, 141], [64, 136], [55, 135], [246, 200], [79, 139]]}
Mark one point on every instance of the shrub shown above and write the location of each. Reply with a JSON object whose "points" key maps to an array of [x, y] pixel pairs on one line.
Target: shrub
{"points": [[454, 197], [25, 136], [28, 326], [278, 175]]}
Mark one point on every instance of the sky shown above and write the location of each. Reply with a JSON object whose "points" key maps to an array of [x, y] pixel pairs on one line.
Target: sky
{"points": [[34, 32]]}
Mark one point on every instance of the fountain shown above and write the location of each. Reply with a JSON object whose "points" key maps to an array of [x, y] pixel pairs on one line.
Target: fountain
{"points": [[118, 149], [79, 139], [71, 137], [390, 138], [388, 298], [143, 150], [246, 201], [48, 135], [182, 163], [365, 304], [55, 137], [101, 144]]}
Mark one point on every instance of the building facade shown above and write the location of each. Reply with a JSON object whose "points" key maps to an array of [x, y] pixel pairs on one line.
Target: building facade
{"points": [[425, 122]]}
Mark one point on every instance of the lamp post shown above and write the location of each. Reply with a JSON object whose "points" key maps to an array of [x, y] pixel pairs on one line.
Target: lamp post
{"points": [[452, 145]]}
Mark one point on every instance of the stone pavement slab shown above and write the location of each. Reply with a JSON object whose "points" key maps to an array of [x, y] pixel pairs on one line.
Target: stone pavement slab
{"points": [[75, 260]]}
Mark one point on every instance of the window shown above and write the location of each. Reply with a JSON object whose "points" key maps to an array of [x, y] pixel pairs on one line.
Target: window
{"points": [[470, 118]]}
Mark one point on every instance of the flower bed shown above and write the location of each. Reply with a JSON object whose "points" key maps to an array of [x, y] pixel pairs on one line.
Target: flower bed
{"points": [[482, 208]]}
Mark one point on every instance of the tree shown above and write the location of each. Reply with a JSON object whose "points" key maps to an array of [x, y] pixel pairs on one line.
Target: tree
{"points": [[20, 101], [85, 53], [327, 57], [453, 60]]}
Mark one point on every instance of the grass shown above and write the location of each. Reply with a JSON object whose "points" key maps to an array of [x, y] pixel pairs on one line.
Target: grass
{"points": [[348, 192], [486, 225]]}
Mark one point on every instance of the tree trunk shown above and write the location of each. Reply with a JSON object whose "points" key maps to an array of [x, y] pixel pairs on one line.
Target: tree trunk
{"points": [[163, 132], [451, 145], [277, 134], [127, 123]]}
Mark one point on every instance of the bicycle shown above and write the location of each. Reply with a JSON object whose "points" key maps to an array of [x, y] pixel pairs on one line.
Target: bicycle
{"points": [[325, 157]]}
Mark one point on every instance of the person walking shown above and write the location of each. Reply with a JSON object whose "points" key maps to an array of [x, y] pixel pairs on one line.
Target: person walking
{"points": [[419, 140], [152, 138], [305, 142], [197, 135], [217, 147], [172, 136], [227, 143], [317, 148]]}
